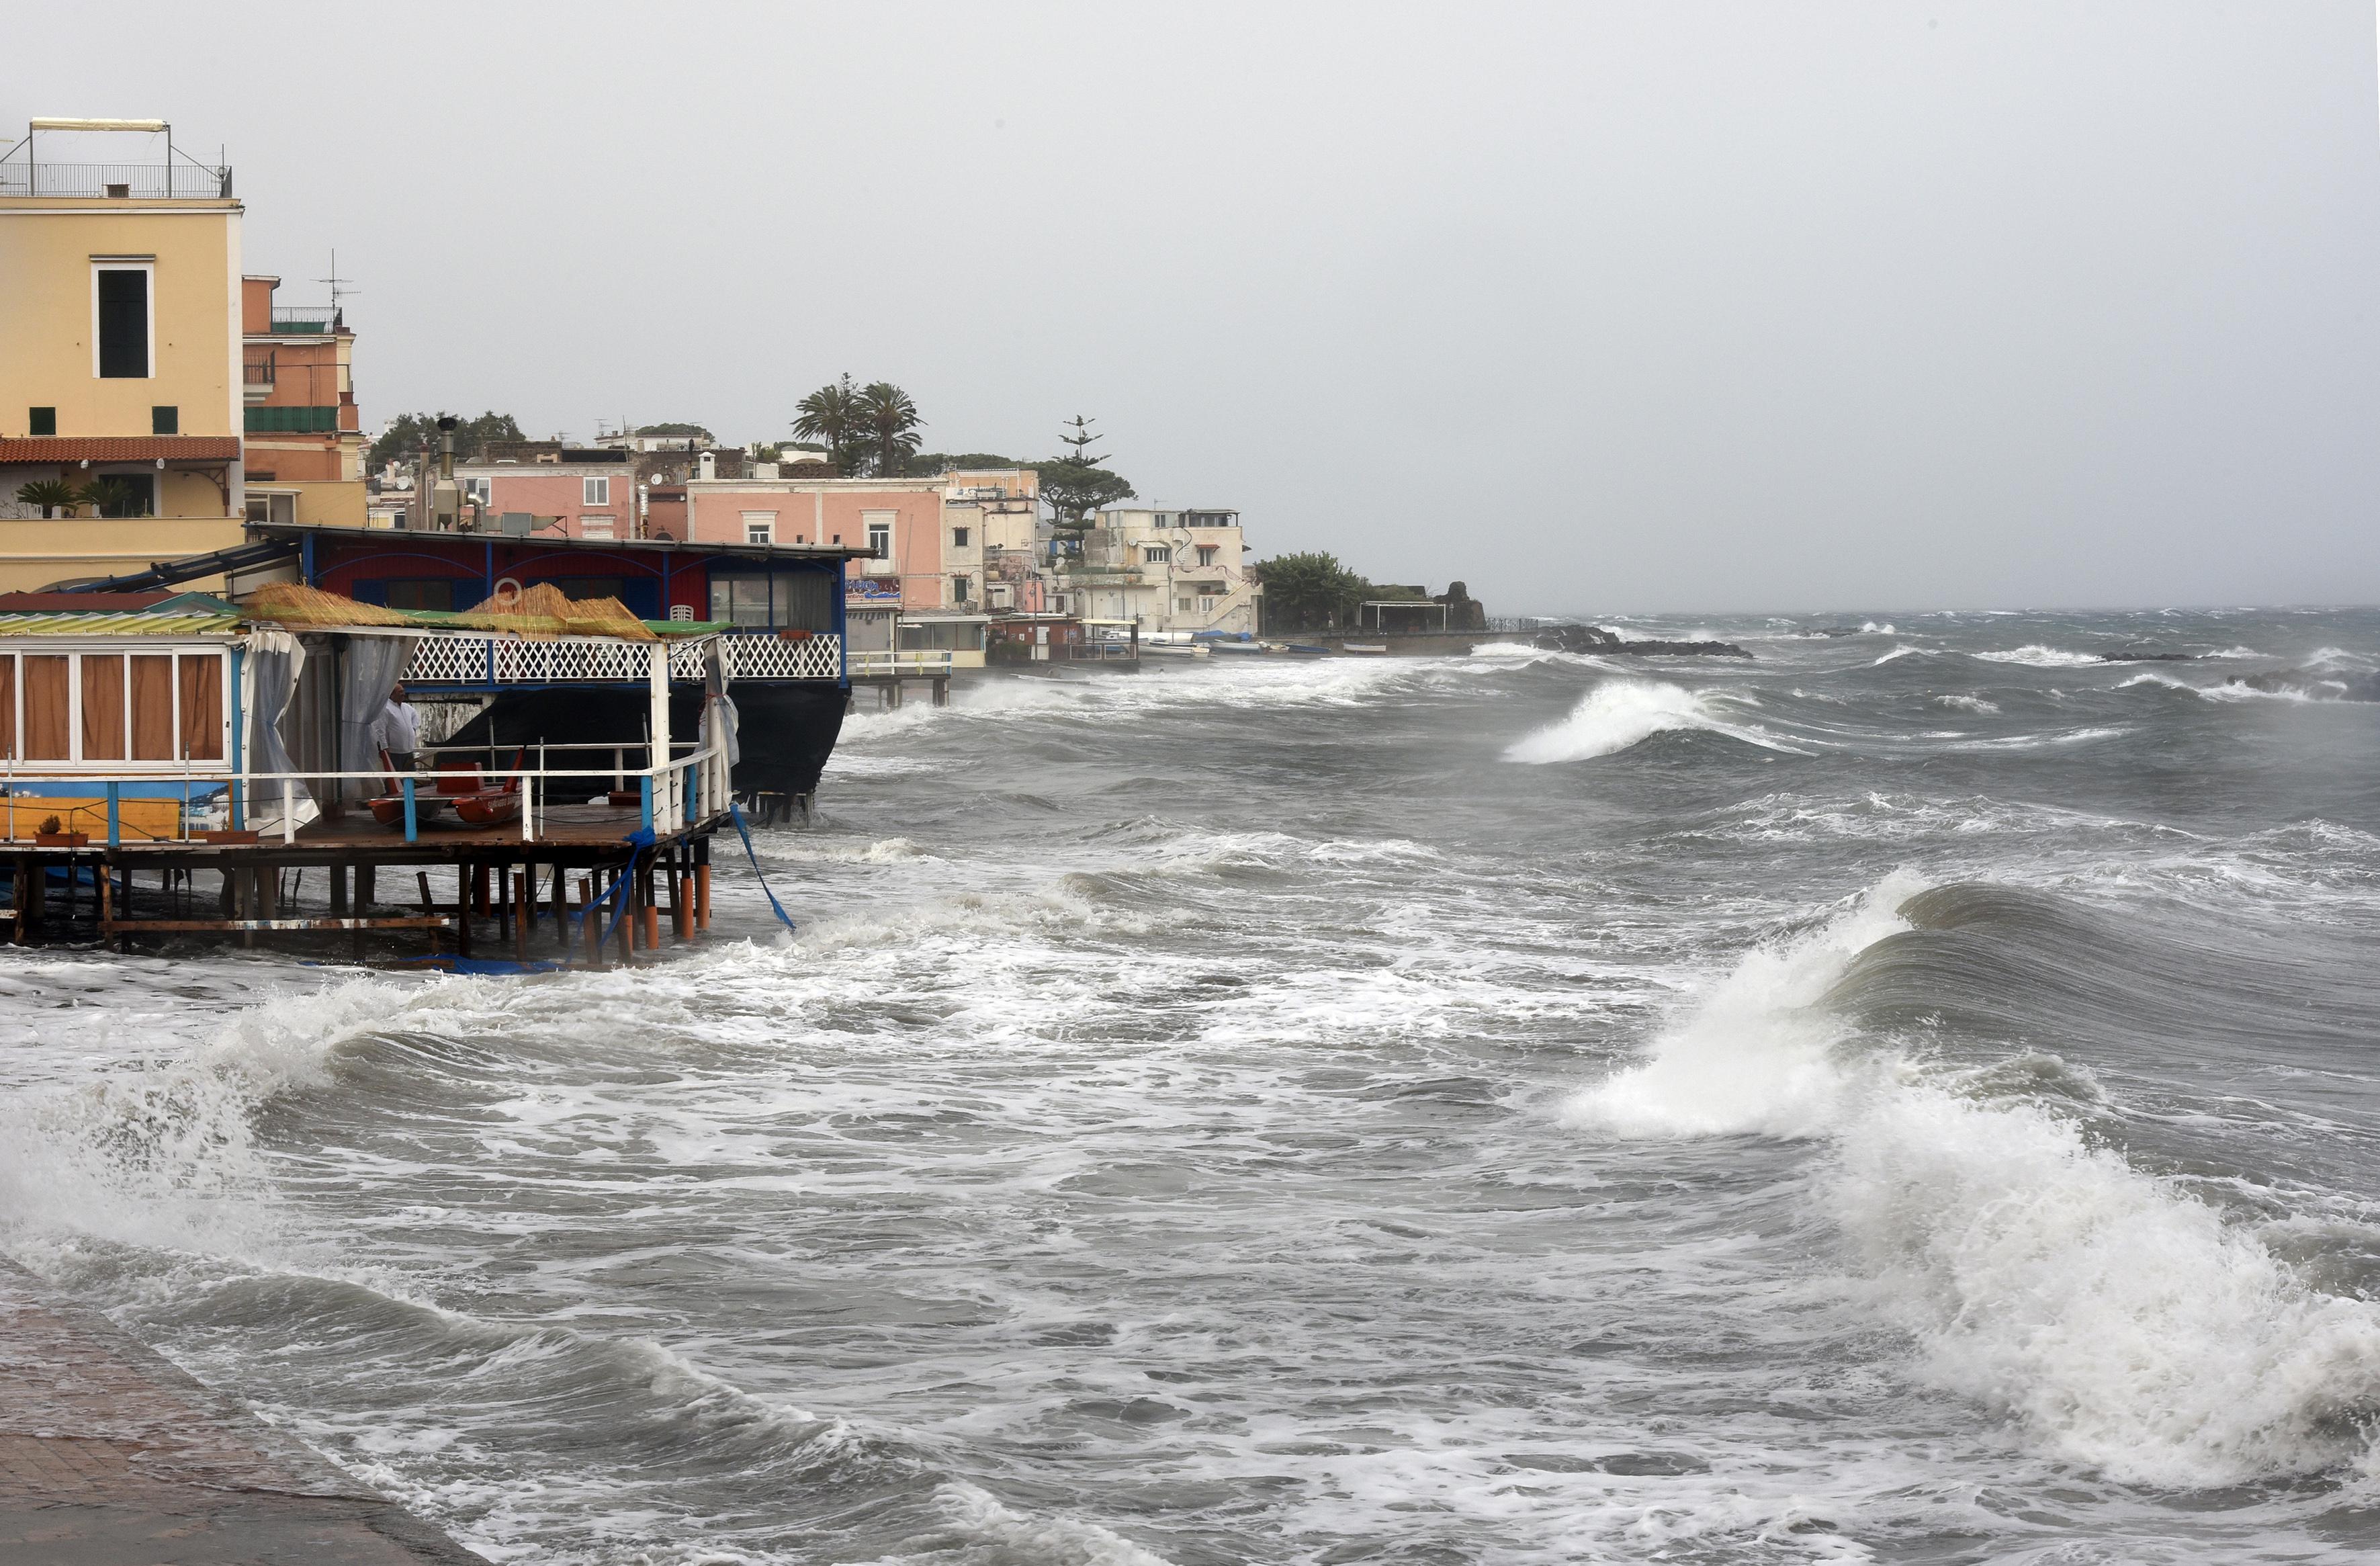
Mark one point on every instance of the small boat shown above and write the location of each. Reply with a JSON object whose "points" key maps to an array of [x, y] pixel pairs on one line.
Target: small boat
{"points": [[458, 796], [1171, 650], [1236, 647], [1304, 650], [1376, 650]]}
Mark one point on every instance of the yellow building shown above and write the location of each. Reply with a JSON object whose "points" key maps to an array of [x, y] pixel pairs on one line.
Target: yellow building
{"points": [[120, 357]]}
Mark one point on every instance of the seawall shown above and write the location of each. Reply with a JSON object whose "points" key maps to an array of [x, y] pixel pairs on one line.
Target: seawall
{"points": [[112, 1456]]}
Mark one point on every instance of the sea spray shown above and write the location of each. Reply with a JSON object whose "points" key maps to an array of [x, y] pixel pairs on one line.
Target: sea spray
{"points": [[1617, 714], [2122, 1321]]}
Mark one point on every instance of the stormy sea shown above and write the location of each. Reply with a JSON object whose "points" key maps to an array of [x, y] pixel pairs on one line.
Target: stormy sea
{"points": [[1904, 1097]]}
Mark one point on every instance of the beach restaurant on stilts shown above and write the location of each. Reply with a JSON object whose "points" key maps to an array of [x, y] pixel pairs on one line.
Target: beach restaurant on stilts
{"points": [[179, 765]]}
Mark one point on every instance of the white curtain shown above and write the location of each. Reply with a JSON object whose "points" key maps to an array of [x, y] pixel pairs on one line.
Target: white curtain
{"points": [[368, 670], [268, 683]]}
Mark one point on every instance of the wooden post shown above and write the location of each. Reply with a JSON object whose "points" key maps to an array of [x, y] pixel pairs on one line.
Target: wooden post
{"points": [[338, 890], [702, 885], [627, 935], [521, 906], [21, 899], [648, 903], [594, 930], [421, 879], [479, 889]]}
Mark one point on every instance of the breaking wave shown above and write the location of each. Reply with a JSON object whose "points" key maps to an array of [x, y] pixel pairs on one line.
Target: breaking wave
{"points": [[2118, 1318], [2041, 657], [1619, 713]]}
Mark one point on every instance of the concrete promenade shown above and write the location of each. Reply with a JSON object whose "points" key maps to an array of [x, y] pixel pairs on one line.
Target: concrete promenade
{"points": [[110, 1456]]}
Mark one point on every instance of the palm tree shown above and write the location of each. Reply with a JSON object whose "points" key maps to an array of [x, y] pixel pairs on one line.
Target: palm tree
{"points": [[832, 415], [50, 494], [115, 497], [892, 424]]}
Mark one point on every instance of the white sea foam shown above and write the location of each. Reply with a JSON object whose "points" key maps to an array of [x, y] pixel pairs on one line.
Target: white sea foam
{"points": [[1619, 714], [979, 1531], [2118, 1320], [2042, 657], [1968, 703]]}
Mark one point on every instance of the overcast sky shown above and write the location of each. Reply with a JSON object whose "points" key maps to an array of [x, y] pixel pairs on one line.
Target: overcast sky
{"points": [[1613, 308]]}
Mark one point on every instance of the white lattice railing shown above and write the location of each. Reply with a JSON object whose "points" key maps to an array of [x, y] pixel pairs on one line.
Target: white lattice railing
{"points": [[478, 661], [547, 663], [817, 657]]}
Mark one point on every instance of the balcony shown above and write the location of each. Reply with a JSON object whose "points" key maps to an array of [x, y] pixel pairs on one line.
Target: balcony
{"points": [[121, 182], [300, 320]]}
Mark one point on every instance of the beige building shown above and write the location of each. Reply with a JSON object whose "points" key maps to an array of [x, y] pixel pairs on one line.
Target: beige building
{"points": [[120, 374], [1177, 571]]}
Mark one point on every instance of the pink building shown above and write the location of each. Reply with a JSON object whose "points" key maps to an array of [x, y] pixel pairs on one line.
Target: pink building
{"points": [[919, 565], [572, 493]]}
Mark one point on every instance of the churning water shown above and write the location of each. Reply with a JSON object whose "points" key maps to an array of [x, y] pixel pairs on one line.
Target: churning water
{"points": [[1905, 1099]]}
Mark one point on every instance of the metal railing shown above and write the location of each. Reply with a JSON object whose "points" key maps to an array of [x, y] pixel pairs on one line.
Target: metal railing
{"points": [[291, 319], [925, 660], [147, 182], [257, 374], [671, 794]]}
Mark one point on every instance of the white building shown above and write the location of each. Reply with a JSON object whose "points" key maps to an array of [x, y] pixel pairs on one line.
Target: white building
{"points": [[1169, 570]]}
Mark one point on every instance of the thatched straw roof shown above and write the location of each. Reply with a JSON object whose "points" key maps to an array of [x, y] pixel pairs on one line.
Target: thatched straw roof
{"points": [[537, 614]]}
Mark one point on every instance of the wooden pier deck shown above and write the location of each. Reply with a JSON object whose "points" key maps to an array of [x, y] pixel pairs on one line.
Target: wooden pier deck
{"points": [[530, 897]]}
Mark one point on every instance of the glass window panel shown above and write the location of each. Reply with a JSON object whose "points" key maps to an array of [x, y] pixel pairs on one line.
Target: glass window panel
{"points": [[152, 707], [202, 715], [103, 707], [47, 707]]}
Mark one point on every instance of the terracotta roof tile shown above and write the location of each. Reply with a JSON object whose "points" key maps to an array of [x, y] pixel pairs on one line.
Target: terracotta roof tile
{"points": [[121, 448]]}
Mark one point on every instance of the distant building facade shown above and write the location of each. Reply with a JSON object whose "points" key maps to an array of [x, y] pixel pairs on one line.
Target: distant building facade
{"points": [[1167, 570], [120, 352]]}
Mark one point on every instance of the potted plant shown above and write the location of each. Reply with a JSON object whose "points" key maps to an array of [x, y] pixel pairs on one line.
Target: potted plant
{"points": [[51, 833]]}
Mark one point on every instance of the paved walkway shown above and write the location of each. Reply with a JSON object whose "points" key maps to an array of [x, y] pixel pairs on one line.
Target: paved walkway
{"points": [[110, 1456]]}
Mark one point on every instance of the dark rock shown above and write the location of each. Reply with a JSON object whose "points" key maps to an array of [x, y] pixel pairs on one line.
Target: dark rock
{"points": [[1596, 638]]}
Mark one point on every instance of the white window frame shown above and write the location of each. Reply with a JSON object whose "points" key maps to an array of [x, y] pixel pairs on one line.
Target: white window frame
{"points": [[875, 521], [109, 766], [104, 263], [759, 526], [595, 489], [478, 490], [959, 537], [1157, 554]]}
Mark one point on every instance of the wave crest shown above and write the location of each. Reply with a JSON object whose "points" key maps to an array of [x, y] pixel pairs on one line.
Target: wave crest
{"points": [[2122, 1322], [1617, 714]]}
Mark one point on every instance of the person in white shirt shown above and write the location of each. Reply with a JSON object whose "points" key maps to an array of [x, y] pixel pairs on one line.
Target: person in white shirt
{"points": [[400, 730]]}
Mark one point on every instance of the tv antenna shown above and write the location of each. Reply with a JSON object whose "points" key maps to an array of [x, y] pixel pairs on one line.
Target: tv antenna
{"points": [[341, 288]]}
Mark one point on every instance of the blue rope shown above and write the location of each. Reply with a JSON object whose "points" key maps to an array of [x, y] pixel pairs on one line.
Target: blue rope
{"points": [[744, 831], [637, 841]]}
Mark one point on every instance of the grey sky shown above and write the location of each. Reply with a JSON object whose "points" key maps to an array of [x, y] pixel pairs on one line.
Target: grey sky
{"points": [[1642, 306]]}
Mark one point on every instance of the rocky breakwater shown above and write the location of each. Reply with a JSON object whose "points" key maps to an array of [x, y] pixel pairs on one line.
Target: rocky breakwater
{"points": [[1598, 639]]}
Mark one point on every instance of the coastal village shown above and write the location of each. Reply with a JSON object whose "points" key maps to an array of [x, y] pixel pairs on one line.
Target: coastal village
{"points": [[217, 575]]}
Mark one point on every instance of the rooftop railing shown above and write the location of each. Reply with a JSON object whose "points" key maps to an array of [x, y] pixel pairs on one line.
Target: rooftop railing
{"points": [[144, 182], [303, 318]]}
